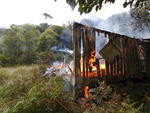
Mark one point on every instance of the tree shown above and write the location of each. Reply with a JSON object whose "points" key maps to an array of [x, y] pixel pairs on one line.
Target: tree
{"points": [[29, 46], [141, 16], [85, 6], [57, 29], [47, 39], [20, 43], [42, 27], [13, 41]]}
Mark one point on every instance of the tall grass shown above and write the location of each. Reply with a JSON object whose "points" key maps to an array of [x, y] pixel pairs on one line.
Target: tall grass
{"points": [[24, 90], [15, 82]]}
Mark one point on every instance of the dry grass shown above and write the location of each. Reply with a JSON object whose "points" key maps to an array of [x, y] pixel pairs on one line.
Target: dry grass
{"points": [[24, 90], [15, 83]]}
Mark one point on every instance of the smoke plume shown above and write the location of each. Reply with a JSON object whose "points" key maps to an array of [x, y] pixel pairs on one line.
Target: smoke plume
{"points": [[121, 23]]}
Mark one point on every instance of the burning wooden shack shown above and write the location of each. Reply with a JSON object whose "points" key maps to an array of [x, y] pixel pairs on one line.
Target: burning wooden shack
{"points": [[121, 57]]}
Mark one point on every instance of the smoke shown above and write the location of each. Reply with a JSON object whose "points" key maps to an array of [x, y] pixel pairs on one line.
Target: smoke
{"points": [[101, 41], [64, 50], [121, 23], [66, 38], [65, 45]]}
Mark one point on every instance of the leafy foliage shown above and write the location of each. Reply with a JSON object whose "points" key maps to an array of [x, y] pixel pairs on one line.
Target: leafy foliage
{"points": [[20, 43], [112, 101], [42, 27], [5, 60], [102, 92], [47, 39], [26, 44], [86, 6], [23, 90], [141, 16], [123, 108]]}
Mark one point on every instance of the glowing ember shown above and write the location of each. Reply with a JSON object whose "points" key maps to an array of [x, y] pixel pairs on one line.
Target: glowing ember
{"points": [[86, 91]]}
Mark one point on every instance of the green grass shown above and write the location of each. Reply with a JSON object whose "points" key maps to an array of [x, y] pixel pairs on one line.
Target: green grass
{"points": [[24, 90], [15, 82]]}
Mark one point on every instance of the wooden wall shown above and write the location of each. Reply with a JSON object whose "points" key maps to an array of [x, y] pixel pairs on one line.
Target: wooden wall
{"points": [[126, 65]]}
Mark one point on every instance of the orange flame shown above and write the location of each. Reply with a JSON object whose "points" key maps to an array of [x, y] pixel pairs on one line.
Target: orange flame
{"points": [[102, 65], [86, 91], [92, 70], [92, 58], [59, 66]]}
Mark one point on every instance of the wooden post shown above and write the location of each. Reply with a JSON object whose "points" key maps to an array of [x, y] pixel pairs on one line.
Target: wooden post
{"points": [[76, 33], [84, 60], [107, 71]]}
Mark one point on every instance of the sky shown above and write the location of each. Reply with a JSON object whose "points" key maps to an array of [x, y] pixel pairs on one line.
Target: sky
{"points": [[30, 11]]}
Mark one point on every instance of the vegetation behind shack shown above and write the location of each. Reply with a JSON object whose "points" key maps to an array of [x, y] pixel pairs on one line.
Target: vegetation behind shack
{"points": [[30, 44]]}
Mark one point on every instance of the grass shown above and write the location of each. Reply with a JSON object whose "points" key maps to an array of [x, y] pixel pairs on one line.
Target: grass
{"points": [[24, 90], [15, 82]]}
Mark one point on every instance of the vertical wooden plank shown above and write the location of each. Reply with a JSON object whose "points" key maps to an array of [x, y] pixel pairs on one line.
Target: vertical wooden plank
{"points": [[76, 52], [132, 52], [111, 71], [86, 52], [134, 57], [147, 57], [83, 42], [115, 67], [99, 71], [117, 58], [97, 60], [79, 49], [115, 61], [127, 57], [124, 58], [76, 35], [121, 64], [130, 64], [107, 70], [138, 69], [118, 69]]}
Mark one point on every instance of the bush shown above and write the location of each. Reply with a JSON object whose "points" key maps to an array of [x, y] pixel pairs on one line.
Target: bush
{"points": [[5, 60], [48, 57]]}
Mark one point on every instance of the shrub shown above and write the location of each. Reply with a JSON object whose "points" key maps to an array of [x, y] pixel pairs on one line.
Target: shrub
{"points": [[4, 60]]}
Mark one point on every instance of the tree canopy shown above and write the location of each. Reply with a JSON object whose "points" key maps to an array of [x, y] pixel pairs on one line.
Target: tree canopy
{"points": [[19, 42], [86, 6], [47, 39], [26, 44], [141, 16]]}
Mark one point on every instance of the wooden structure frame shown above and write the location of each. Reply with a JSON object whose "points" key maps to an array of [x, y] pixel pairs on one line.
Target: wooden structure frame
{"points": [[126, 65]]}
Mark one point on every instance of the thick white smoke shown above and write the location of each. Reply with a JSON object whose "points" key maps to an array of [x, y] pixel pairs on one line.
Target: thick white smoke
{"points": [[120, 23]]}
